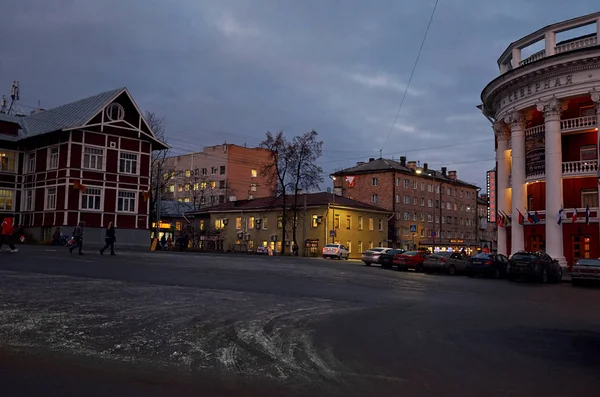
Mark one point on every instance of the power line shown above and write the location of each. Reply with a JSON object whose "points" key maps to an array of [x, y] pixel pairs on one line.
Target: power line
{"points": [[412, 72]]}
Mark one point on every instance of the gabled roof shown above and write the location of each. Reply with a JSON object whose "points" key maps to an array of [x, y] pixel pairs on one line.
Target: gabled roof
{"points": [[174, 209], [71, 115], [276, 202]]}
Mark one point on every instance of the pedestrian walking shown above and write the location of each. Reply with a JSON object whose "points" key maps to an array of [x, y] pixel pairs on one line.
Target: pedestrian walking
{"points": [[78, 237], [109, 239], [7, 232]]}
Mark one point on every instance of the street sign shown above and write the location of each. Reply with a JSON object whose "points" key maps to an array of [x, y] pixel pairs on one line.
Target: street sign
{"points": [[413, 228], [332, 233]]}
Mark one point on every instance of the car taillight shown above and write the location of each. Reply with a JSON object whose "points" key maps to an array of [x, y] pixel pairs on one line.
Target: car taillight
{"points": [[443, 259], [489, 262]]}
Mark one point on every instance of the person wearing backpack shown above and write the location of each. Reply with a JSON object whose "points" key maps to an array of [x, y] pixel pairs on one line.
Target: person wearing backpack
{"points": [[109, 239], [7, 232], [78, 237]]}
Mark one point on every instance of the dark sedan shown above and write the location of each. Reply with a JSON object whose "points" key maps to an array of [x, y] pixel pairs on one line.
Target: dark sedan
{"points": [[534, 265], [387, 258], [490, 265]]}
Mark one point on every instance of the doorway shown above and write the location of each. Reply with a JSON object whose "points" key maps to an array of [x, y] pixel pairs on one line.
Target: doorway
{"points": [[580, 246], [536, 243]]}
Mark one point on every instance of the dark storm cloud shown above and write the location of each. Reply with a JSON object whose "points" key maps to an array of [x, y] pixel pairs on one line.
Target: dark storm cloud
{"points": [[230, 70]]}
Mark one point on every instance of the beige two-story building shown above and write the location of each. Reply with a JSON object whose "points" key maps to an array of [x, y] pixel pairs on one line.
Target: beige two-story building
{"points": [[322, 218]]}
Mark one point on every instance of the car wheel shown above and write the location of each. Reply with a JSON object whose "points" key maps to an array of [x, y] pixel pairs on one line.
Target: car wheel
{"points": [[451, 270], [497, 274], [559, 275], [544, 276], [367, 263]]}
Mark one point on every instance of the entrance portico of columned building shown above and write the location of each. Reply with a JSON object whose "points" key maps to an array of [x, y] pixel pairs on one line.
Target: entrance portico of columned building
{"points": [[545, 111]]}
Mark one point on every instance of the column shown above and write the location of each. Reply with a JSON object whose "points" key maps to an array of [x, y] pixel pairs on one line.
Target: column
{"points": [[519, 189], [516, 57], [554, 190], [550, 43], [502, 174]]}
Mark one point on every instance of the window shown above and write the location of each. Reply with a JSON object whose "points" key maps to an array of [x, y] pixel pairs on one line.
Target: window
{"points": [[371, 224], [53, 158], [251, 223], [360, 223], [374, 198], [6, 200], [360, 246], [370, 245], [93, 158], [187, 200], [336, 221], [348, 222], [187, 187], [422, 217], [126, 201], [196, 172], [406, 216], [415, 185], [397, 181], [221, 184], [213, 184], [380, 224], [238, 223], [213, 170], [203, 185], [397, 198], [254, 173], [115, 112], [422, 202], [449, 191], [429, 189], [405, 231], [406, 200], [219, 224], [201, 224], [414, 216], [221, 198], [30, 162], [188, 173], [315, 221], [265, 223], [437, 219], [202, 200], [29, 203], [588, 153], [415, 201], [589, 197], [455, 206], [422, 232], [349, 246], [204, 173], [430, 203], [253, 187], [90, 199], [406, 183], [180, 188], [374, 181], [279, 222], [172, 188], [51, 198], [128, 163], [448, 205], [429, 218], [7, 161]]}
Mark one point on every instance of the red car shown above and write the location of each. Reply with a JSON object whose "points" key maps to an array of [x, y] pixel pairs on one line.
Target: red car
{"points": [[411, 260]]}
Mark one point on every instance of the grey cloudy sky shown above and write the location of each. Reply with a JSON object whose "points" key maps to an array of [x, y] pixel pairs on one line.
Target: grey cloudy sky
{"points": [[232, 69]]}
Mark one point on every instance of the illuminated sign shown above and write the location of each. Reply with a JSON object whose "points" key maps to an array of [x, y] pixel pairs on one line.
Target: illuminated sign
{"points": [[456, 241], [491, 194], [163, 225]]}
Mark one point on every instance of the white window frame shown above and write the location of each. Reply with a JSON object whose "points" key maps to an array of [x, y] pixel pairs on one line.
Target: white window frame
{"points": [[406, 216], [29, 200], [30, 162], [429, 218], [10, 156], [11, 195], [132, 162], [406, 183], [380, 224], [406, 199], [53, 158], [589, 192], [374, 198], [374, 181], [50, 204], [132, 195], [415, 185], [96, 156], [87, 191]]}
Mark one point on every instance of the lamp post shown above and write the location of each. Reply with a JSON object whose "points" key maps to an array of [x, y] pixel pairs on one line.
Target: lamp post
{"points": [[332, 232]]}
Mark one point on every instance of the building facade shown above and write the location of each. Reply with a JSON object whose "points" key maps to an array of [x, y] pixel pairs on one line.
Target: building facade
{"points": [[544, 110], [219, 174], [322, 219], [430, 208], [87, 161], [487, 233]]}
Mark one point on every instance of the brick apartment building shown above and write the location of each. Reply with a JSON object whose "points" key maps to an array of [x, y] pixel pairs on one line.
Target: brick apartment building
{"points": [[218, 174], [88, 161], [430, 208]]}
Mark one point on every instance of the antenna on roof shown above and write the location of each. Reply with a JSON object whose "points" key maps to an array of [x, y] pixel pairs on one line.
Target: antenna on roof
{"points": [[14, 95], [380, 150], [3, 104]]}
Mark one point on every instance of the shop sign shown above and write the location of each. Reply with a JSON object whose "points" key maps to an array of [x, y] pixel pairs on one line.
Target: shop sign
{"points": [[535, 154], [491, 194], [453, 241]]}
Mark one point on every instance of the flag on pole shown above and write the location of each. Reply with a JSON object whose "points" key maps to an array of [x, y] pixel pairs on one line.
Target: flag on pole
{"points": [[560, 211], [508, 219], [521, 218], [587, 214], [575, 216], [529, 217], [536, 217]]}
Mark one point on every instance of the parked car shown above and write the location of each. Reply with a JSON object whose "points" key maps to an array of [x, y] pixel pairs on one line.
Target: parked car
{"points": [[534, 265], [372, 255], [335, 251], [262, 250], [448, 262], [585, 270], [491, 265], [387, 258], [411, 260]]}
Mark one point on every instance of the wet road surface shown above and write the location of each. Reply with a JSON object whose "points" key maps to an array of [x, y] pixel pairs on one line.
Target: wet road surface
{"points": [[154, 324]]}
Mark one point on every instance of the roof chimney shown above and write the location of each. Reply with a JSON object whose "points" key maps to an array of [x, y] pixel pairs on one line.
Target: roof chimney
{"points": [[452, 175], [360, 163], [444, 169], [403, 161], [424, 166], [371, 159], [412, 165]]}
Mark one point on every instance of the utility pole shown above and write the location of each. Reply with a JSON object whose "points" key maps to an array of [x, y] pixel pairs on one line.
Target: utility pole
{"points": [[304, 226], [158, 197]]}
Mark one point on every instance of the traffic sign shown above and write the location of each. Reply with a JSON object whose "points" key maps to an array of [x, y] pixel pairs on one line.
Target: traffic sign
{"points": [[332, 233], [413, 228]]}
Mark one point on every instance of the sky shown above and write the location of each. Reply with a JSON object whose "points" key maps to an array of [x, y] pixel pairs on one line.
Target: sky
{"points": [[231, 70]]}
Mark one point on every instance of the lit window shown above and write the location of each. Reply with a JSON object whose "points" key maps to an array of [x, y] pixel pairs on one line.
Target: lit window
{"points": [[6, 200], [238, 223], [360, 223], [251, 223], [213, 184], [187, 200], [188, 173], [315, 221], [172, 188], [589, 197], [202, 224], [371, 224], [7, 161], [254, 173], [203, 185], [93, 158], [336, 221], [126, 201]]}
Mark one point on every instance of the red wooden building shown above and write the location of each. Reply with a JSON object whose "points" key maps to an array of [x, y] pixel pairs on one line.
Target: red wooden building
{"points": [[87, 161]]}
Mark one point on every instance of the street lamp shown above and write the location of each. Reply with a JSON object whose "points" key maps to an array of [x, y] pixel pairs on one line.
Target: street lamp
{"points": [[332, 232]]}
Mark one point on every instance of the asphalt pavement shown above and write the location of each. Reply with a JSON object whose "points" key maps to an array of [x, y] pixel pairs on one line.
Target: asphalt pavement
{"points": [[183, 324]]}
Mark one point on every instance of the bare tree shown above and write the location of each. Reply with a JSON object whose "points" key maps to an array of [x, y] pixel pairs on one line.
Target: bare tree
{"points": [[305, 173], [159, 177], [278, 170]]}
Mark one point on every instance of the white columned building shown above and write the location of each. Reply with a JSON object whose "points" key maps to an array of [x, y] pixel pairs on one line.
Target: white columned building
{"points": [[545, 109]]}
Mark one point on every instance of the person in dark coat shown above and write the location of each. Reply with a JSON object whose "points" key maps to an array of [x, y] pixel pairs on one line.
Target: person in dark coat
{"points": [[109, 239], [78, 237]]}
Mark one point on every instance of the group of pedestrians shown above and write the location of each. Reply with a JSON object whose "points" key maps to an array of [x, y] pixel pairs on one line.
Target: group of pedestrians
{"points": [[109, 239]]}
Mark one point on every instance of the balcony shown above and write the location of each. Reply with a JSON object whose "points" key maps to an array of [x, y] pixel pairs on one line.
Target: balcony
{"points": [[588, 41], [567, 216], [568, 125], [570, 169]]}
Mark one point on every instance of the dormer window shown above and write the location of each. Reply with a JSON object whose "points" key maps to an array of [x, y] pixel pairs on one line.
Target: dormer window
{"points": [[115, 112]]}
